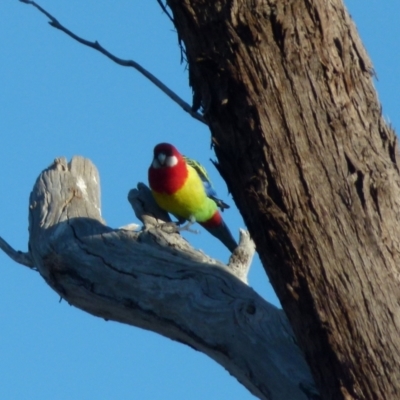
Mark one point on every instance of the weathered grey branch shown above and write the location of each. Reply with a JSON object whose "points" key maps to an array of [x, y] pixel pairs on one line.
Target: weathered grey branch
{"points": [[125, 63], [147, 211], [18, 256], [157, 281]]}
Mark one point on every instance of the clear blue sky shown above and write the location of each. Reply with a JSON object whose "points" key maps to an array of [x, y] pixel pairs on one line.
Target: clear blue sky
{"points": [[58, 98]]}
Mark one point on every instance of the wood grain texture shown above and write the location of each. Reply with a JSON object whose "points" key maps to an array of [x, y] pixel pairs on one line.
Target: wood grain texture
{"points": [[297, 128], [155, 280]]}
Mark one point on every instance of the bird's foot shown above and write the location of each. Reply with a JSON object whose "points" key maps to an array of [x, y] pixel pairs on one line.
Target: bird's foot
{"points": [[169, 227], [173, 227], [187, 226]]}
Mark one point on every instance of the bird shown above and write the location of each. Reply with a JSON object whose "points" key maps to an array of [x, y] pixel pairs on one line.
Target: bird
{"points": [[181, 186]]}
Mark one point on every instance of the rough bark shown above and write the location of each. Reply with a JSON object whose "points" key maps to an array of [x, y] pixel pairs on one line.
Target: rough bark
{"points": [[155, 280], [286, 89]]}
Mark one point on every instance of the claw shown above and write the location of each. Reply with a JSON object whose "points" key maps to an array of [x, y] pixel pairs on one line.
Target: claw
{"points": [[173, 227], [187, 226], [169, 227]]}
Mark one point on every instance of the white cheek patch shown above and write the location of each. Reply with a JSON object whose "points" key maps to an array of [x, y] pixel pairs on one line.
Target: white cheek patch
{"points": [[171, 161], [155, 164]]}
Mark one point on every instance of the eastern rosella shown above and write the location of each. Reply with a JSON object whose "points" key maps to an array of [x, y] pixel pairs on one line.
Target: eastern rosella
{"points": [[182, 187]]}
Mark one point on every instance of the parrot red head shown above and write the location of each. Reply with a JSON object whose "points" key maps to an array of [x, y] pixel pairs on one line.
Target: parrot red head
{"points": [[166, 156], [168, 170]]}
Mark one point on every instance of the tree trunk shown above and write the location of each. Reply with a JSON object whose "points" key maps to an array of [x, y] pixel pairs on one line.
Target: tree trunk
{"points": [[297, 128]]}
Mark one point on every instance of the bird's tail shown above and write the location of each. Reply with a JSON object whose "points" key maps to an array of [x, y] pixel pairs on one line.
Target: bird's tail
{"points": [[222, 232]]}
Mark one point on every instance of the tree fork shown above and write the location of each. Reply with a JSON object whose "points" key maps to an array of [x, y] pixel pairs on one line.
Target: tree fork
{"points": [[296, 125]]}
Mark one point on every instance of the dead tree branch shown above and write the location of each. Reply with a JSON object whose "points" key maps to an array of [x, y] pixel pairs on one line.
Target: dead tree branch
{"points": [[17, 256], [125, 63], [157, 281]]}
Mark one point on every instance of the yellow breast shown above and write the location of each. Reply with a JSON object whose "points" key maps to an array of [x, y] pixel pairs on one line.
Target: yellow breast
{"points": [[190, 201]]}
